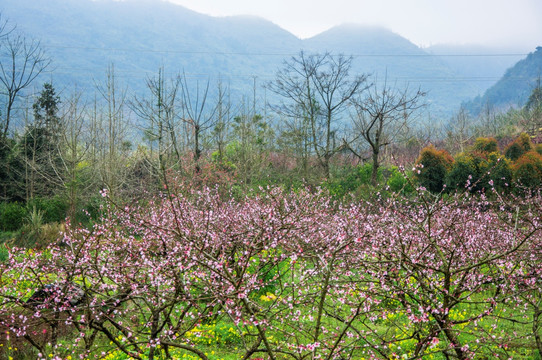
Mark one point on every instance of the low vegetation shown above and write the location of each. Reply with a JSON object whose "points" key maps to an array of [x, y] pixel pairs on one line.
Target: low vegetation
{"points": [[283, 275]]}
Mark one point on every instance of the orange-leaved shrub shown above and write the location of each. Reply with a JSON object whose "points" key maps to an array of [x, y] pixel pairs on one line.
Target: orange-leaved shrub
{"points": [[528, 170], [521, 145]]}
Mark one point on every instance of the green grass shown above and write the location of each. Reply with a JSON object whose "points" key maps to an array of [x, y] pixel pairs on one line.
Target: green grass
{"points": [[221, 339]]}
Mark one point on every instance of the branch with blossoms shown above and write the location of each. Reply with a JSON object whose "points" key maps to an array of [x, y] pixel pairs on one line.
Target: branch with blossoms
{"points": [[292, 275]]}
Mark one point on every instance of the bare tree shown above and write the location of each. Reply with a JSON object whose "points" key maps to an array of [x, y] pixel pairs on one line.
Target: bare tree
{"points": [[76, 140], [23, 60], [56, 161], [382, 115], [295, 139], [5, 28], [223, 120], [318, 88], [252, 138], [111, 134], [200, 116], [460, 130], [159, 111]]}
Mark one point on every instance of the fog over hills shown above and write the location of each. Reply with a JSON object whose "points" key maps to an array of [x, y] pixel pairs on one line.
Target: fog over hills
{"points": [[84, 37], [515, 86], [480, 65]]}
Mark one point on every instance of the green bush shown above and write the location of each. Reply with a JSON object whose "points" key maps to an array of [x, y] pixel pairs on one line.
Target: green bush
{"points": [[398, 182], [464, 172], [352, 180], [538, 148], [433, 165], [480, 170], [365, 172], [12, 216], [53, 209], [528, 170], [485, 145], [4, 253], [357, 181], [518, 147], [498, 170], [91, 210]]}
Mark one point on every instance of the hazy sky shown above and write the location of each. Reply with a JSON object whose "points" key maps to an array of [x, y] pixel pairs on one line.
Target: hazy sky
{"points": [[424, 22]]}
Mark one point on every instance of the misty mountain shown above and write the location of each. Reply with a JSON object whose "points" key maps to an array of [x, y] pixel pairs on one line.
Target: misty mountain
{"points": [[515, 86], [393, 59], [477, 66], [84, 37]]}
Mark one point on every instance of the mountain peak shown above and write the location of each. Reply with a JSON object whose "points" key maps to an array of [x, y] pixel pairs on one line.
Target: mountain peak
{"points": [[365, 39], [355, 30]]}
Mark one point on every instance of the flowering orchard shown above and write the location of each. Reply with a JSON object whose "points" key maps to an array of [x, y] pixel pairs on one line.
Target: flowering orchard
{"points": [[284, 276]]}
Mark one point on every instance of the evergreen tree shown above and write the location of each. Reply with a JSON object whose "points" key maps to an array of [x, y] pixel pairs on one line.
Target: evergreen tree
{"points": [[40, 144], [46, 111]]}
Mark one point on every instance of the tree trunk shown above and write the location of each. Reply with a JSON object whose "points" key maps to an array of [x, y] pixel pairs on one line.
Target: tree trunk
{"points": [[376, 165], [197, 150]]}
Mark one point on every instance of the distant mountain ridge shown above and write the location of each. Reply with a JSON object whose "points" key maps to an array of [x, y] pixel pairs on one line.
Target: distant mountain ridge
{"points": [[480, 66], [138, 36], [514, 88]]}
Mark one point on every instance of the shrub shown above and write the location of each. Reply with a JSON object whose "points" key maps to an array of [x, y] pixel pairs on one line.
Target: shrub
{"points": [[436, 163], [518, 147], [53, 209], [498, 171], [528, 170], [351, 181], [538, 148], [365, 171], [11, 216], [398, 182], [38, 237], [485, 145], [92, 210], [464, 172], [478, 171], [4, 253]]}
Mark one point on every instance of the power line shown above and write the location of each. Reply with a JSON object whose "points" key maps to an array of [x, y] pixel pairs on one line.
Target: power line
{"points": [[158, 51], [142, 74]]}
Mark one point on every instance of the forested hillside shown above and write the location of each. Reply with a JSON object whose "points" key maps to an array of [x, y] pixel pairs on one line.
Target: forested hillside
{"points": [[84, 37], [514, 88], [478, 66]]}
